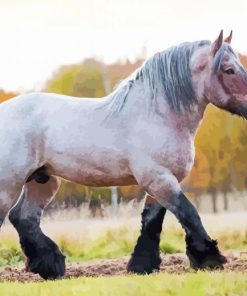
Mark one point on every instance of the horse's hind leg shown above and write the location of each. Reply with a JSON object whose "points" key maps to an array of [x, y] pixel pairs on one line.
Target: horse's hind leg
{"points": [[9, 192], [43, 255], [146, 255]]}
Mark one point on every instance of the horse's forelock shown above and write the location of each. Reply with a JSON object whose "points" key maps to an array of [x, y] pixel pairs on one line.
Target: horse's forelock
{"points": [[219, 56]]}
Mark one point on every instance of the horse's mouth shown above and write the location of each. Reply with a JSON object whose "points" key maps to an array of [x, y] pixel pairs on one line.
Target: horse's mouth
{"points": [[238, 108]]}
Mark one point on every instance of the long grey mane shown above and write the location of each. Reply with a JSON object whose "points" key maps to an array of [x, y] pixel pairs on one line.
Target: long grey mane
{"points": [[167, 72]]}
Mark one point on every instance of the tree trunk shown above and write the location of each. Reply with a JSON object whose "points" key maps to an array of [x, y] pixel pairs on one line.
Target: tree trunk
{"points": [[225, 200], [197, 201], [214, 200], [114, 199]]}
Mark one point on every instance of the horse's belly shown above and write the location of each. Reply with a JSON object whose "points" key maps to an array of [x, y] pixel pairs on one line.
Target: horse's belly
{"points": [[105, 170], [101, 180], [96, 178]]}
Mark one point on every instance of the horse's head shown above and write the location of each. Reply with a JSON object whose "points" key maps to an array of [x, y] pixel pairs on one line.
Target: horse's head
{"points": [[221, 78]]}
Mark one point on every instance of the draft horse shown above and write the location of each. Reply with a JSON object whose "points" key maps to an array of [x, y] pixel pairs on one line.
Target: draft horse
{"points": [[142, 133]]}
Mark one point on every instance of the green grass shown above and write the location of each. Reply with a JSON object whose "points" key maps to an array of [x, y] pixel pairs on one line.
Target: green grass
{"points": [[118, 242], [10, 252], [191, 284], [111, 244], [115, 243]]}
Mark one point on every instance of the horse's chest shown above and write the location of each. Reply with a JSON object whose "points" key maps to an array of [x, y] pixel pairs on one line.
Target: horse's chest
{"points": [[178, 157], [167, 146], [182, 164]]}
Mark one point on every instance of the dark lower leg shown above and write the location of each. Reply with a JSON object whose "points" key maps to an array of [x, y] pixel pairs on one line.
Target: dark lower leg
{"points": [[43, 255], [145, 257], [200, 248]]}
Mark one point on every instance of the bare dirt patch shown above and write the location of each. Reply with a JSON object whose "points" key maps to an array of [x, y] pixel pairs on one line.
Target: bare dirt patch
{"points": [[176, 263]]}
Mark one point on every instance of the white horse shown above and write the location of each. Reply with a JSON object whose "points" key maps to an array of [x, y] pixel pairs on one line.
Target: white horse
{"points": [[143, 133]]}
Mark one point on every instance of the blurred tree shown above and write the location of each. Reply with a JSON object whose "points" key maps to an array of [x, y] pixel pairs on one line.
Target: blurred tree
{"points": [[243, 59], [4, 96], [198, 180], [208, 143], [130, 192], [219, 156], [84, 80]]}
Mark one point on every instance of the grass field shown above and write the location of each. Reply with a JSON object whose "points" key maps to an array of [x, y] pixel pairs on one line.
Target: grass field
{"points": [[88, 239], [193, 284], [114, 237]]}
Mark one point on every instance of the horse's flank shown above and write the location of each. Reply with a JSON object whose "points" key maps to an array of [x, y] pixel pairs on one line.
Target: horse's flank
{"points": [[69, 136]]}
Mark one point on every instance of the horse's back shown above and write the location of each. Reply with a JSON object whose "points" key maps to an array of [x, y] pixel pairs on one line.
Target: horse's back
{"points": [[71, 135]]}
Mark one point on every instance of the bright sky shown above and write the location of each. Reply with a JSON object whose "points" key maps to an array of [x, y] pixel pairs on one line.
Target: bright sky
{"points": [[38, 36]]}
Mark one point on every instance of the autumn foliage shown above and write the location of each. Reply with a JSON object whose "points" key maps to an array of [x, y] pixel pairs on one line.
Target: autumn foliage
{"points": [[4, 96]]}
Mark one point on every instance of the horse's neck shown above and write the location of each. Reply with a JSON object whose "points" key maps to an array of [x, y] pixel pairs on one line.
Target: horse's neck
{"points": [[139, 103], [194, 117], [136, 103], [183, 121]]}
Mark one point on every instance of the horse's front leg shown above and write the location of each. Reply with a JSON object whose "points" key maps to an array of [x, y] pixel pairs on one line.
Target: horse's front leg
{"points": [[146, 255], [43, 255], [200, 248]]}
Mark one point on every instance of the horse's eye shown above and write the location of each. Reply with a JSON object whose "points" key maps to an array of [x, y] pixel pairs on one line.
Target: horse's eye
{"points": [[229, 71]]}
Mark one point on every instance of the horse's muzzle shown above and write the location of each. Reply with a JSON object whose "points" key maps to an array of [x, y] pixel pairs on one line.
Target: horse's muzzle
{"points": [[238, 108]]}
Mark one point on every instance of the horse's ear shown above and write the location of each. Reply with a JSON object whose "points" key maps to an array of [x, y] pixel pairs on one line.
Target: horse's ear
{"points": [[217, 43], [229, 38]]}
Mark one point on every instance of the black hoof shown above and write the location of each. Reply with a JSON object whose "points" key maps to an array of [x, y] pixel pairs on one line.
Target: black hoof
{"points": [[144, 263], [48, 264], [211, 258]]}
